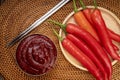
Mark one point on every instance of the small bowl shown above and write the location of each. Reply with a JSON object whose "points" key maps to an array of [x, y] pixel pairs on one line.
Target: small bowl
{"points": [[112, 23], [36, 55]]}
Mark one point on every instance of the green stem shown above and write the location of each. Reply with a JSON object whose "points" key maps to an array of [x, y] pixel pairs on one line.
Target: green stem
{"points": [[74, 6], [95, 3], [55, 32], [63, 26], [82, 4]]}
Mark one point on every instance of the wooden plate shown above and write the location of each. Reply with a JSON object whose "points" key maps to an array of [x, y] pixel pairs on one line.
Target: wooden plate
{"points": [[112, 23]]}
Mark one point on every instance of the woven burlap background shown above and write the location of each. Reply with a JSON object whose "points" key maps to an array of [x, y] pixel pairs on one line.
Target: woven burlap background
{"points": [[17, 15]]}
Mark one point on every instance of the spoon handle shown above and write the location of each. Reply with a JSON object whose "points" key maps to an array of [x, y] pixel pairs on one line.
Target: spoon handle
{"points": [[38, 22]]}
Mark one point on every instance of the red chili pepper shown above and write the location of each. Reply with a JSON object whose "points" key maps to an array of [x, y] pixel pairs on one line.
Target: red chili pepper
{"points": [[103, 33], [93, 44], [81, 57], [114, 36], [87, 12], [87, 51], [115, 47], [83, 22]]}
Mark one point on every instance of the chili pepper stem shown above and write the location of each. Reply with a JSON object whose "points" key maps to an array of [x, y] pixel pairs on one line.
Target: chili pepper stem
{"points": [[95, 3], [55, 32], [74, 6], [63, 26], [82, 4]]}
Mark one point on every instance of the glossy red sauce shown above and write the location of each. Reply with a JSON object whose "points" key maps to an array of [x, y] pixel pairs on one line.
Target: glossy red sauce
{"points": [[36, 54]]}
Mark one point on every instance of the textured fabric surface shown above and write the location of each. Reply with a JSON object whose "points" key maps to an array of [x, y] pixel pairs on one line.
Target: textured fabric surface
{"points": [[17, 15]]}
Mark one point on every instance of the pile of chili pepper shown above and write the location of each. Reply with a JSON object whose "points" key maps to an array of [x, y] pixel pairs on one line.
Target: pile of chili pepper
{"points": [[90, 41]]}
